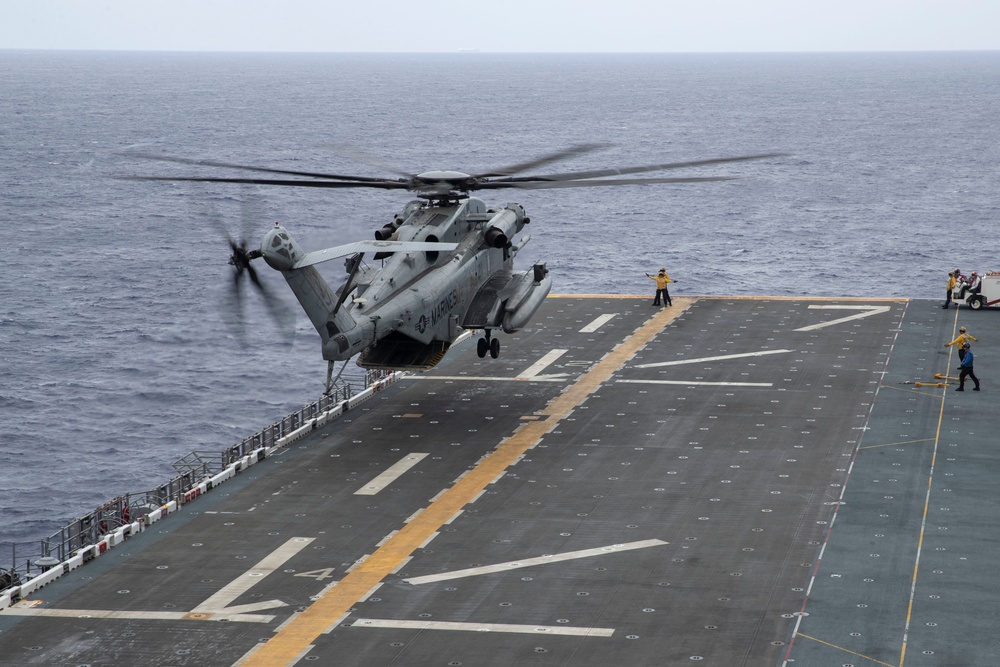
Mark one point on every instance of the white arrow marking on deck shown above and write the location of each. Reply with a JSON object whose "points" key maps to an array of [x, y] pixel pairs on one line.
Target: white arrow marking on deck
{"points": [[253, 606], [212, 609], [699, 382], [534, 369], [530, 562], [391, 474], [681, 362], [598, 323], [252, 577], [483, 627], [868, 310]]}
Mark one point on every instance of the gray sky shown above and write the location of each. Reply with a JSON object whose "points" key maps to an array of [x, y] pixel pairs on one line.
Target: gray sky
{"points": [[503, 25]]}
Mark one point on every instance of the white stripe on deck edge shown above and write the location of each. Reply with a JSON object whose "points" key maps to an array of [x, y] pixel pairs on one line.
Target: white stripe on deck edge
{"points": [[680, 362], [482, 627], [136, 615], [390, 475], [868, 311], [598, 323], [698, 382], [540, 365]]}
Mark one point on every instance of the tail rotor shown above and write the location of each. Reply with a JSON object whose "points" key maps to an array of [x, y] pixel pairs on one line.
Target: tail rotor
{"points": [[241, 256]]}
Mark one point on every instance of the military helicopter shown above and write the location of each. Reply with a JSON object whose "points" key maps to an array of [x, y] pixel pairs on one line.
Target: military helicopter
{"points": [[448, 258]]}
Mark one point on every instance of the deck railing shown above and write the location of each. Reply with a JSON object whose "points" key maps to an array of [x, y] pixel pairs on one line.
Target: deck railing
{"points": [[26, 559]]}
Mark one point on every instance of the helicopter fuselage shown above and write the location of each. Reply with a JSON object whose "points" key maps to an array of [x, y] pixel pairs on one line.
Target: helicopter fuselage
{"points": [[448, 260], [406, 313]]}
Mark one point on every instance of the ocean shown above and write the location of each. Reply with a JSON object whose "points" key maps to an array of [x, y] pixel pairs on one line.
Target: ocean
{"points": [[120, 346]]}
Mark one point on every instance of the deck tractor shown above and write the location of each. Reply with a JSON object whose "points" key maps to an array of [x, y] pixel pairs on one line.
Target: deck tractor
{"points": [[987, 295]]}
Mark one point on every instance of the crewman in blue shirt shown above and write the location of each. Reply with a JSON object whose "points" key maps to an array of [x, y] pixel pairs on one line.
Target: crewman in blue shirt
{"points": [[966, 369]]}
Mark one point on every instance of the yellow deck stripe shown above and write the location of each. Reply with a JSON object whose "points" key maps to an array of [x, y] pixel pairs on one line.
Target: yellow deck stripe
{"points": [[288, 644]]}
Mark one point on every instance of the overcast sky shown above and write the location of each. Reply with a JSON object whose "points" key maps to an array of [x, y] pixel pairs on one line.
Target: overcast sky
{"points": [[503, 25]]}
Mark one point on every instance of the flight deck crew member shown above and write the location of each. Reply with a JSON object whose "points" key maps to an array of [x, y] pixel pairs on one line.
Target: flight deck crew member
{"points": [[963, 338], [952, 281], [966, 370], [975, 283], [662, 280]]}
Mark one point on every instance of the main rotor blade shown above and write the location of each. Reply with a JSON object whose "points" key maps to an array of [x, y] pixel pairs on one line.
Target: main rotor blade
{"points": [[375, 183], [265, 170], [544, 185], [579, 149], [600, 173]]}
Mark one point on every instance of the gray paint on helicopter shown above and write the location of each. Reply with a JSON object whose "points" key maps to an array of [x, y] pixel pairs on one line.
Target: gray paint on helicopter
{"points": [[448, 258]]}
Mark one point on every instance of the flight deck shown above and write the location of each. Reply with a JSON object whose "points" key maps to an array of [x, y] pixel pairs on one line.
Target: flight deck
{"points": [[727, 481]]}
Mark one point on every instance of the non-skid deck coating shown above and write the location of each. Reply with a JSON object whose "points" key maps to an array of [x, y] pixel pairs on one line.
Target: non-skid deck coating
{"points": [[756, 482]]}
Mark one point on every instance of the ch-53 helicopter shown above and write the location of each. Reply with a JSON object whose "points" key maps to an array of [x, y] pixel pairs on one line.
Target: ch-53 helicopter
{"points": [[448, 258]]}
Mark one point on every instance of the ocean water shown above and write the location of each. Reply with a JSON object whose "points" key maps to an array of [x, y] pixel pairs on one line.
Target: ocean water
{"points": [[121, 349]]}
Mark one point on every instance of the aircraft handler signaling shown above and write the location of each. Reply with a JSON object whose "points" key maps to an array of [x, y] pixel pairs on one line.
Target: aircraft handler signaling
{"points": [[662, 280], [963, 337]]}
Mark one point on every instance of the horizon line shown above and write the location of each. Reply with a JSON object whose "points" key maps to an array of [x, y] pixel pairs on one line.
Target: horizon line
{"points": [[465, 52]]}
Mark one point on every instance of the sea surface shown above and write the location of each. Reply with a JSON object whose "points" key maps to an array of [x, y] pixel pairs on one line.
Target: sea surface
{"points": [[121, 347]]}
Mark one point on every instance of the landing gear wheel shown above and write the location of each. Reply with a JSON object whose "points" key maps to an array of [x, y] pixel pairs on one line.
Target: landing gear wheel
{"points": [[495, 348], [481, 347]]}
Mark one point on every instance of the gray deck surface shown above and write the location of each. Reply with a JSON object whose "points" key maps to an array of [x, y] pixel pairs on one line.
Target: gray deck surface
{"points": [[688, 503]]}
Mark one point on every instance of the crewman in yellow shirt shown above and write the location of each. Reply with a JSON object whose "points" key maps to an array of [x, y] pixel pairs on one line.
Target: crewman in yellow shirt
{"points": [[963, 338], [952, 281], [661, 279]]}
